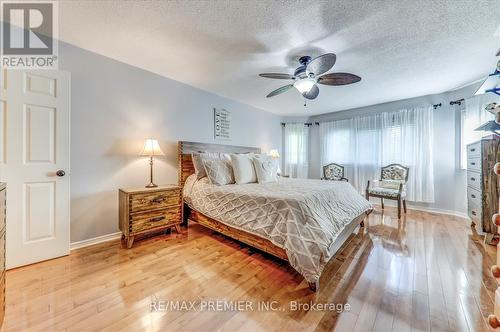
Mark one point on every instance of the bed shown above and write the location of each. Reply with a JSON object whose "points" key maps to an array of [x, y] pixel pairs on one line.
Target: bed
{"points": [[303, 222]]}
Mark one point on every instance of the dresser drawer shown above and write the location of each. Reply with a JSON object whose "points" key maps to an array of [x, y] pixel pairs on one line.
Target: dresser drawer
{"points": [[474, 150], [474, 163], [2, 209], [2, 297], [146, 221], [474, 196], [2, 252], [475, 213], [154, 200], [474, 180]]}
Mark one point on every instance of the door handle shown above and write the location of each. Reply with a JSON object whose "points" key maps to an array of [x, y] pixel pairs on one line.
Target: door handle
{"points": [[60, 173]]}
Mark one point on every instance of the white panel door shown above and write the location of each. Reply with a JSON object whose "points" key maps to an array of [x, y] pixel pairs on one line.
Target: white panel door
{"points": [[34, 152]]}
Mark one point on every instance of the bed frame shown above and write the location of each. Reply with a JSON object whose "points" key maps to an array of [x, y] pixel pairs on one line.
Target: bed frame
{"points": [[186, 168]]}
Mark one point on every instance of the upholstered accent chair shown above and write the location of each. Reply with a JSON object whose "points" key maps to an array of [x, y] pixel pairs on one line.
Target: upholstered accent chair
{"points": [[334, 172], [392, 185]]}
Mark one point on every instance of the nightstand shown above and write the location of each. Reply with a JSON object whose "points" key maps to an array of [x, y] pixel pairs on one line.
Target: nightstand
{"points": [[144, 210]]}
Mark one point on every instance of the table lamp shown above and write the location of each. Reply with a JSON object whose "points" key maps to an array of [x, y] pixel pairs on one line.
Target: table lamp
{"points": [[275, 155], [151, 149]]}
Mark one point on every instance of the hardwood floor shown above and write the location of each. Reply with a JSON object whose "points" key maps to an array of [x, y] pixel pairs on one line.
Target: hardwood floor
{"points": [[426, 272]]}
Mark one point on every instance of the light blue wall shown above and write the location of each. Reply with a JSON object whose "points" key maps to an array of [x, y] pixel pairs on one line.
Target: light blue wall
{"points": [[114, 108]]}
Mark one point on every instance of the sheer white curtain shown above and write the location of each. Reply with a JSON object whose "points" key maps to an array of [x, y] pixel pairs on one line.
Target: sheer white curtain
{"points": [[472, 117], [366, 143], [296, 150]]}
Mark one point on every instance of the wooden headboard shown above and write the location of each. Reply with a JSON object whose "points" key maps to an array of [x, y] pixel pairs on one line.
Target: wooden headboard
{"points": [[185, 149]]}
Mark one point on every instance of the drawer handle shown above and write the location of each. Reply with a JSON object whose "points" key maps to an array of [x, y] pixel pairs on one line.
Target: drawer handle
{"points": [[473, 196], [157, 219], [472, 179], [472, 150], [473, 163], [473, 213], [158, 200]]}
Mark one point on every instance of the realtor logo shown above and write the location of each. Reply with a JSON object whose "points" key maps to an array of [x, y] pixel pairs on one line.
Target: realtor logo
{"points": [[29, 35]]}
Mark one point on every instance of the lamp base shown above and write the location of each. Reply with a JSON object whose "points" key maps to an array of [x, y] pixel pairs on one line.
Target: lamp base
{"points": [[151, 185]]}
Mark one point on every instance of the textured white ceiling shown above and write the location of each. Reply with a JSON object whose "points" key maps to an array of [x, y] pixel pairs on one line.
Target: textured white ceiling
{"points": [[400, 48]]}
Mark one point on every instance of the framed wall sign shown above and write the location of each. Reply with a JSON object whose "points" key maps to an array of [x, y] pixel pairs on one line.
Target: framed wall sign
{"points": [[222, 124]]}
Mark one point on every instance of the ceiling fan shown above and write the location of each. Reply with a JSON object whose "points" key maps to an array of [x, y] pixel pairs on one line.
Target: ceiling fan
{"points": [[310, 73]]}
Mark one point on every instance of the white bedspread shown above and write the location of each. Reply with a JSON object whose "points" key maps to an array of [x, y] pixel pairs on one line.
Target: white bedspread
{"points": [[304, 217]]}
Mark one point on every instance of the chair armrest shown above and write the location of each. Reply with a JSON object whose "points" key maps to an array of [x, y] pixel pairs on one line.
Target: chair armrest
{"points": [[373, 183]]}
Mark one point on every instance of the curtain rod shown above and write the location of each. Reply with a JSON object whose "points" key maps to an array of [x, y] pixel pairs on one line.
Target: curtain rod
{"points": [[457, 102], [435, 106], [283, 124]]}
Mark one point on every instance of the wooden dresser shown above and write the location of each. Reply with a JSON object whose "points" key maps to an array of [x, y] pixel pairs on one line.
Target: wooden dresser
{"points": [[3, 196], [482, 192], [144, 210]]}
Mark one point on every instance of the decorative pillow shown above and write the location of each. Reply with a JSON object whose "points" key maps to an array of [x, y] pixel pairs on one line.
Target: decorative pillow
{"points": [[391, 184], [244, 171], [198, 158], [266, 168], [219, 171]]}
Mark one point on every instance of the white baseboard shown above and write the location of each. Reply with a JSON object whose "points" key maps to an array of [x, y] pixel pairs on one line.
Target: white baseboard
{"points": [[430, 210], [117, 235], [95, 240], [440, 211]]}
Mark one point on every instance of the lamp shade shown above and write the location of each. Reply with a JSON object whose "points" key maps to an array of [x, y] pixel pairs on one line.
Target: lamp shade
{"points": [[274, 154], [152, 148]]}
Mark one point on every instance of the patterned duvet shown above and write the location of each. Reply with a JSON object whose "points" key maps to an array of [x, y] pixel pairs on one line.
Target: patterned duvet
{"points": [[304, 217]]}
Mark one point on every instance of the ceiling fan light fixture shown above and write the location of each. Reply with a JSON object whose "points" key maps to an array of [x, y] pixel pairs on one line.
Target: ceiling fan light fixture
{"points": [[304, 85]]}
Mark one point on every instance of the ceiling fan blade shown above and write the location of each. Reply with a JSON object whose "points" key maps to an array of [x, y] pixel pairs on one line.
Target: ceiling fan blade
{"points": [[313, 93], [277, 76], [338, 79], [321, 64], [280, 90]]}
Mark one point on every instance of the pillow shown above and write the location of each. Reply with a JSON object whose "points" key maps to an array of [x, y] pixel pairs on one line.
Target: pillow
{"points": [[266, 168], [244, 171], [391, 184], [219, 171], [198, 158]]}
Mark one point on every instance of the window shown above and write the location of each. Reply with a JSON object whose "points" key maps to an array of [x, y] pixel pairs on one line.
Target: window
{"points": [[364, 144], [293, 142], [296, 150]]}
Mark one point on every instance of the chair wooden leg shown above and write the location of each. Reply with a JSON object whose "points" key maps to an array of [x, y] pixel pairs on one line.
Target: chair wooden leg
{"points": [[399, 209], [382, 203], [404, 205]]}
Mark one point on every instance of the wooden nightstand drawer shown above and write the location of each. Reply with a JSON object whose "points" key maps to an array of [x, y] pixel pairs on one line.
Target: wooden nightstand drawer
{"points": [[148, 221], [154, 201], [144, 210]]}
